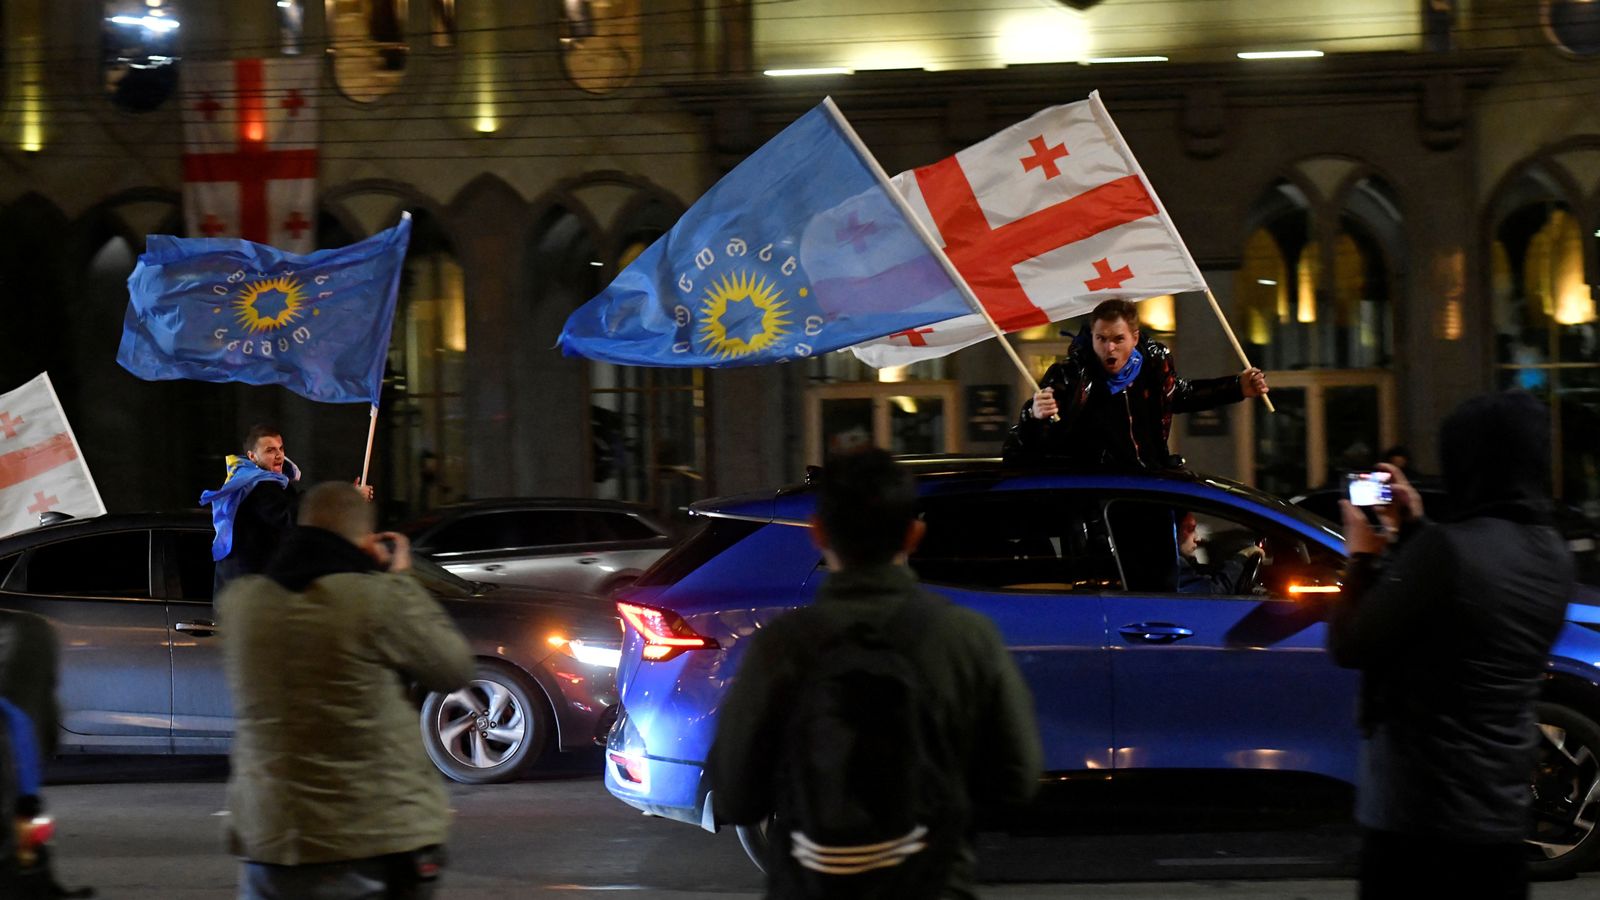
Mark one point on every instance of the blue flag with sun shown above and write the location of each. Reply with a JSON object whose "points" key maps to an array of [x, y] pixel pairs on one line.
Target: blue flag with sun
{"points": [[223, 309], [801, 249]]}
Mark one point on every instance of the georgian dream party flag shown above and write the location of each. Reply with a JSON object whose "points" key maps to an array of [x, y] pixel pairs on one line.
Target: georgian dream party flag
{"points": [[220, 309], [803, 248], [1044, 221], [41, 468]]}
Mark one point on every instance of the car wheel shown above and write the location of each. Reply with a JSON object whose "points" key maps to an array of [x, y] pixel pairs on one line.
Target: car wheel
{"points": [[492, 730], [753, 838], [1566, 793]]}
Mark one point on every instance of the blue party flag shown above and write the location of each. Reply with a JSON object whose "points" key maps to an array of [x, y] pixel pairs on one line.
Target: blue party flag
{"points": [[223, 309], [801, 249]]}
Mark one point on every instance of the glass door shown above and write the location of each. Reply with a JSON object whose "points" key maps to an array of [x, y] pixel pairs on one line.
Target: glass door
{"points": [[903, 417]]}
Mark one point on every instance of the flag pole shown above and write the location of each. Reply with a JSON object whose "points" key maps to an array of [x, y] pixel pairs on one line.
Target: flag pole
{"points": [[372, 431], [1104, 118], [922, 231]]}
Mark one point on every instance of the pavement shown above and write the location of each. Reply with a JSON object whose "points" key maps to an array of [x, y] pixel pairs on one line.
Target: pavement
{"points": [[151, 829]]}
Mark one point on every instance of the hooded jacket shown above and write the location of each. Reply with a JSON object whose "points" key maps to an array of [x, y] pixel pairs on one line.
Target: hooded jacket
{"points": [[327, 761], [1145, 409], [1451, 629]]}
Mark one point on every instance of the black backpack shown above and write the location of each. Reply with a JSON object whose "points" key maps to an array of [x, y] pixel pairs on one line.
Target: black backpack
{"points": [[868, 805]]}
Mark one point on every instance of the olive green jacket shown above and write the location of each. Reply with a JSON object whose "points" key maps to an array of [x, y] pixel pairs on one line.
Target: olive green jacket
{"points": [[328, 763]]}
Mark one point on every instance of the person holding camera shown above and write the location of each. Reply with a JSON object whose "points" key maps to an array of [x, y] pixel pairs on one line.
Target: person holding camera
{"points": [[331, 793], [1451, 625]]}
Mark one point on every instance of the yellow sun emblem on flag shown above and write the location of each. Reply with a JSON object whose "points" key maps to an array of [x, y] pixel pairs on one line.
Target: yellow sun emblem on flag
{"points": [[743, 314], [269, 305]]}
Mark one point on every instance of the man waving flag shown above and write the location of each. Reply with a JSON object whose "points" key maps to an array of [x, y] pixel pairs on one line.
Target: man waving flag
{"points": [[801, 249], [1044, 221]]}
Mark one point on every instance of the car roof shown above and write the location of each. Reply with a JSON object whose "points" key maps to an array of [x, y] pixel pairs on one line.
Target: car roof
{"points": [[932, 471], [494, 504], [188, 518]]}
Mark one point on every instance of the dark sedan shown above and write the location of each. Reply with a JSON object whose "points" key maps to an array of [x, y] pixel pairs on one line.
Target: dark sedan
{"points": [[141, 661], [568, 544]]}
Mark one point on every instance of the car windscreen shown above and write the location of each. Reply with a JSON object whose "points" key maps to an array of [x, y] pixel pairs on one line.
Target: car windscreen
{"points": [[715, 536]]}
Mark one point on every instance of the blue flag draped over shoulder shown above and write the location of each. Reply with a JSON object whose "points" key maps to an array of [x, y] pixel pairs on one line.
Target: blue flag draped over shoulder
{"points": [[801, 249], [223, 309]]}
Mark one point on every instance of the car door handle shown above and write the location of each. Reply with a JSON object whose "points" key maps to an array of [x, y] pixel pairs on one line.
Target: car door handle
{"points": [[493, 567], [200, 628], [588, 560], [1156, 632]]}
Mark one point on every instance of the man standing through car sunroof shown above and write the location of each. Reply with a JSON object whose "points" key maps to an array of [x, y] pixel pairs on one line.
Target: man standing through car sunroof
{"points": [[1115, 395], [331, 794], [869, 725], [1451, 626]]}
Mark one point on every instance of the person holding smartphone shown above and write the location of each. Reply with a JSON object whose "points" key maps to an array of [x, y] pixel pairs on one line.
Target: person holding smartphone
{"points": [[1450, 625]]}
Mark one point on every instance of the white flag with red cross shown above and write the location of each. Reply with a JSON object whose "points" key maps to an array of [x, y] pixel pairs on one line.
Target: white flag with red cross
{"points": [[1044, 221], [250, 151], [41, 467]]}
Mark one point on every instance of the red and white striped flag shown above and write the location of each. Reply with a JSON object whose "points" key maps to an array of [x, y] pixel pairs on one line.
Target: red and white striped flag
{"points": [[250, 151], [41, 468], [1044, 221]]}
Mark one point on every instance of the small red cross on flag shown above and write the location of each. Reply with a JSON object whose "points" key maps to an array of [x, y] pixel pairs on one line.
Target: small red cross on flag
{"points": [[1025, 244], [250, 160], [41, 469]]}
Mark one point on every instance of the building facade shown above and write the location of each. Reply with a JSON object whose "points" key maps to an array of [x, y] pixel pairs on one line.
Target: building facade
{"points": [[1405, 220]]}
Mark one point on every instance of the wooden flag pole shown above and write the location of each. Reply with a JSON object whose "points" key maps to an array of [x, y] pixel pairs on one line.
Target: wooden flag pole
{"points": [[1228, 330], [372, 431]]}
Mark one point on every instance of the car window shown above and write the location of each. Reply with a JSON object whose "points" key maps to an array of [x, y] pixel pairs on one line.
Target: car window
{"points": [[609, 526], [1200, 550], [715, 536], [507, 531], [6, 565], [192, 558], [1016, 541], [98, 565]]}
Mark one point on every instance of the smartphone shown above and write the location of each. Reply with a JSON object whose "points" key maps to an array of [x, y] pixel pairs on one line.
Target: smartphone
{"points": [[1370, 489]]}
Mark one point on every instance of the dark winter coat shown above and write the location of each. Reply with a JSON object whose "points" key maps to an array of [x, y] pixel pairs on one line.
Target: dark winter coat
{"points": [[974, 684], [1451, 629], [1098, 428]]}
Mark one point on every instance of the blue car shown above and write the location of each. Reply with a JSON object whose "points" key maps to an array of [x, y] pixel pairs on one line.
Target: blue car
{"points": [[1139, 662]]}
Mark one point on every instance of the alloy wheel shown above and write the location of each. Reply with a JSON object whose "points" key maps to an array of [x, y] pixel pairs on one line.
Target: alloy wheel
{"points": [[481, 725]]}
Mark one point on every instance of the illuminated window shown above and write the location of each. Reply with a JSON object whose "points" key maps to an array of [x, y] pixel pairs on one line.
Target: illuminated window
{"points": [[291, 26], [601, 44], [1547, 332], [139, 52], [368, 45], [443, 22]]}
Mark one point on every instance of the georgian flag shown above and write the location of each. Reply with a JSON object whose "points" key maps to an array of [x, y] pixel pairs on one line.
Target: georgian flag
{"points": [[250, 151], [1044, 221], [41, 467]]}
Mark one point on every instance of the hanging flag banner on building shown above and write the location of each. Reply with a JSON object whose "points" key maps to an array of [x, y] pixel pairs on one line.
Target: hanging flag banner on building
{"points": [[41, 468], [803, 248], [250, 150], [1044, 221], [218, 309]]}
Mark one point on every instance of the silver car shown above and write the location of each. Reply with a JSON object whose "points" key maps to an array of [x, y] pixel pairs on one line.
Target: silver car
{"points": [[587, 546]]}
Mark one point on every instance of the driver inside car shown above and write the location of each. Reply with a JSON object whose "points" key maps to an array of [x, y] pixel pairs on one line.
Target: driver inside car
{"points": [[1234, 575]]}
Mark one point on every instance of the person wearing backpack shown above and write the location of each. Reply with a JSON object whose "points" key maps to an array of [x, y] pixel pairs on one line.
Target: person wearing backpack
{"points": [[867, 726]]}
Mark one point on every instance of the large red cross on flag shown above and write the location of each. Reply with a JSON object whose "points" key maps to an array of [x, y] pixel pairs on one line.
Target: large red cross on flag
{"points": [[1044, 221], [250, 150], [41, 467]]}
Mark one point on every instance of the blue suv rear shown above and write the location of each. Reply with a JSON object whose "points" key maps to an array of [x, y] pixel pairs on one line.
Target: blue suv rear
{"points": [[1129, 673]]}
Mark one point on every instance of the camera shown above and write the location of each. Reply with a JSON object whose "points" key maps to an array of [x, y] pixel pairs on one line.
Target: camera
{"points": [[1369, 489]]}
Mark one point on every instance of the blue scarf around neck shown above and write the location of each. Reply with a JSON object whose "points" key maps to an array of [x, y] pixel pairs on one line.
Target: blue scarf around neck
{"points": [[1125, 375]]}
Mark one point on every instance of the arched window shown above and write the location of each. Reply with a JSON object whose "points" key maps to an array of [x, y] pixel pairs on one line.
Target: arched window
{"points": [[427, 358], [139, 52], [601, 43], [369, 46], [1547, 332]]}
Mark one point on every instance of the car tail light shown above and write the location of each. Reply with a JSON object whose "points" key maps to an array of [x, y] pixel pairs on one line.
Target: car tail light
{"points": [[33, 833], [665, 633], [630, 769]]}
